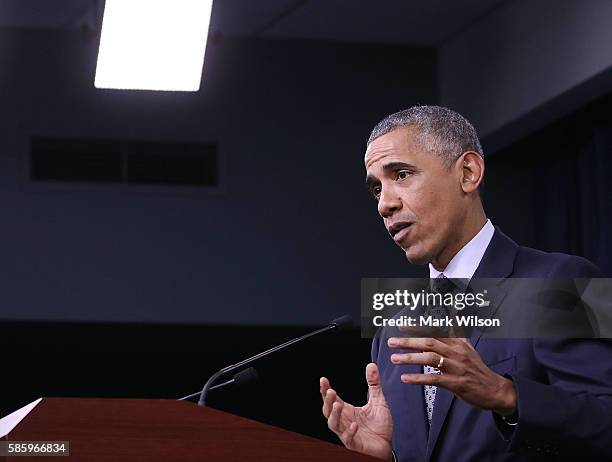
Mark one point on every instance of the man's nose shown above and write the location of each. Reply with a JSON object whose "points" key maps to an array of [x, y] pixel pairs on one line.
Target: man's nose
{"points": [[388, 203]]}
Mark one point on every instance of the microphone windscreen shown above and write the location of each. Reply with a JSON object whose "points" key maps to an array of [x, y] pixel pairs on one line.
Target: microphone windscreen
{"points": [[246, 376], [341, 324]]}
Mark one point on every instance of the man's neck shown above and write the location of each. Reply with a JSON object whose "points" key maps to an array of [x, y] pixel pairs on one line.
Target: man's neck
{"points": [[472, 228]]}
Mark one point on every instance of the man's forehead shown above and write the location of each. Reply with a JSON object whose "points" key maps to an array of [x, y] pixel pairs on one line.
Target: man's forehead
{"points": [[395, 143], [378, 149]]}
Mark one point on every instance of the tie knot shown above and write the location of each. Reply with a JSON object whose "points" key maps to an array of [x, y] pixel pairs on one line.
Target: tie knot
{"points": [[443, 285]]}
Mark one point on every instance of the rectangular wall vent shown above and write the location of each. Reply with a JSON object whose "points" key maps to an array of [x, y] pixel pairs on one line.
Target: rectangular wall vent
{"points": [[123, 162]]}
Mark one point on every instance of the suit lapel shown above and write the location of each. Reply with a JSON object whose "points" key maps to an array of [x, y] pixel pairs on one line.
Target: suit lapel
{"points": [[498, 259], [497, 263], [495, 296]]}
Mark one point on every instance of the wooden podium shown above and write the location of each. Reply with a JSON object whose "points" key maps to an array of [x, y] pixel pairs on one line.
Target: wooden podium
{"points": [[162, 430]]}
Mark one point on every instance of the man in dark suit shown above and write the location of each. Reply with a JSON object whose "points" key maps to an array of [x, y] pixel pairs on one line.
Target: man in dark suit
{"points": [[459, 399]]}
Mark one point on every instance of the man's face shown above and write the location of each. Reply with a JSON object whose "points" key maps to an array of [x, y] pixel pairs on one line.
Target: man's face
{"points": [[419, 198]]}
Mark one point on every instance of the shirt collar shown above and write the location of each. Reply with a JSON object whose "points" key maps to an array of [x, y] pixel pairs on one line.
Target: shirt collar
{"points": [[463, 265]]}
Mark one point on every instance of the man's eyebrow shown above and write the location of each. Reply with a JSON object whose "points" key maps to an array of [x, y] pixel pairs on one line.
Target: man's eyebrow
{"points": [[397, 165], [370, 180], [391, 166]]}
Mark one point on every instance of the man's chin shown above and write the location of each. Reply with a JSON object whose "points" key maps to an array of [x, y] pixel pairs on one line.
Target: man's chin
{"points": [[416, 257]]}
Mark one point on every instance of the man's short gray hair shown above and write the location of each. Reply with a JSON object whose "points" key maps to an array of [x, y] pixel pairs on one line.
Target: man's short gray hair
{"points": [[440, 130]]}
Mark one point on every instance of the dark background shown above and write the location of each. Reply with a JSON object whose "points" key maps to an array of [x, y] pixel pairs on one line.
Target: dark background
{"points": [[145, 291]]}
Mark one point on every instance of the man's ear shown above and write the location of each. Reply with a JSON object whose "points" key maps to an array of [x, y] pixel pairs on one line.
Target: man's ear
{"points": [[472, 171]]}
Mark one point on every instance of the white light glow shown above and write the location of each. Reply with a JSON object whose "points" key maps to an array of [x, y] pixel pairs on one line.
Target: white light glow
{"points": [[153, 44]]}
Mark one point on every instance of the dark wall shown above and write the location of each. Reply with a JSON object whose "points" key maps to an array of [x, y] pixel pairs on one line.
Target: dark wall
{"points": [[284, 243], [553, 189], [286, 240]]}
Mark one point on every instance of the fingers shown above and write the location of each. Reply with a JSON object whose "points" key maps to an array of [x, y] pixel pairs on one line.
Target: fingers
{"points": [[330, 398], [438, 380], [430, 351], [444, 365], [373, 380], [422, 344], [333, 422], [426, 358], [333, 406], [324, 385], [372, 376], [422, 379], [347, 436]]}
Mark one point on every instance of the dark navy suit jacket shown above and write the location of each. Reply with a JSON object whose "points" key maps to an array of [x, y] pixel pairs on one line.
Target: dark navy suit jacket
{"points": [[564, 387]]}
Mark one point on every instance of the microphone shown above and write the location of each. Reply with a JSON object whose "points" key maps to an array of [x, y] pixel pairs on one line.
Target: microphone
{"points": [[241, 378], [340, 324]]}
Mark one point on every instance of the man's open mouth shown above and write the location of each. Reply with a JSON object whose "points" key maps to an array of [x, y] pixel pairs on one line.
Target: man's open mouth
{"points": [[399, 230]]}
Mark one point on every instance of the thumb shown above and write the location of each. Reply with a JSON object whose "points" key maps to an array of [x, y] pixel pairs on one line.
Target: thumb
{"points": [[373, 378]]}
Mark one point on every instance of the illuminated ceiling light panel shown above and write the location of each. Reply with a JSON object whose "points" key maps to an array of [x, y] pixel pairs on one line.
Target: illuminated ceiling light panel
{"points": [[153, 44]]}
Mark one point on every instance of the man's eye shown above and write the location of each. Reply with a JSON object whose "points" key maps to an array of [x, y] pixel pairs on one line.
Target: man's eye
{"points": [[403, 174], [376, 191]]}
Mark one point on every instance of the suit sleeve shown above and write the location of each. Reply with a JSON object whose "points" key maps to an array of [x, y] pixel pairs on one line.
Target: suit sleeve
{"points": [[568, 410], [572, 409]]}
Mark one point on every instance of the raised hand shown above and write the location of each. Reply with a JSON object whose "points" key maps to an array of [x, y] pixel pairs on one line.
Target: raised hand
{"points": [[462, 371], [367, 429]]}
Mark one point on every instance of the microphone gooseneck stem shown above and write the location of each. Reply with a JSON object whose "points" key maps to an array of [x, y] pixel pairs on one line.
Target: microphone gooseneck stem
{"points": [[233, 367], [197, 393]]}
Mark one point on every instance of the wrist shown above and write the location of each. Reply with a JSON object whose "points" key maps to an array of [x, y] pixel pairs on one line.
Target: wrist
{"points": [[506, 400]]}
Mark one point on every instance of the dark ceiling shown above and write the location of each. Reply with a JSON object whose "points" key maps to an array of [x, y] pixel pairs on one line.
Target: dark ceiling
{"points": [[406, 22]]}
